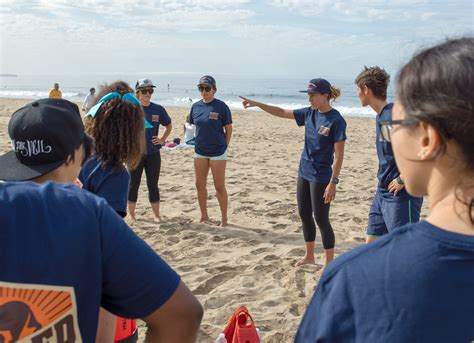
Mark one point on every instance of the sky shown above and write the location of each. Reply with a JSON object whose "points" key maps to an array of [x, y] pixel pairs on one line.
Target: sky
{"points": [[268, 38]]}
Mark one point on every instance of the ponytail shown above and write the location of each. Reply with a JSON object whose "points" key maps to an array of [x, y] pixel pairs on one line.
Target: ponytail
{"points": [[335, 93]]}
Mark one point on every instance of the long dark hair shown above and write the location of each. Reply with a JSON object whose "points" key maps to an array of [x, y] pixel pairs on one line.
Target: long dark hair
{"points": [[436, 87]]}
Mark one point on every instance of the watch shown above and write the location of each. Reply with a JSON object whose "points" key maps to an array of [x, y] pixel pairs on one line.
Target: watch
{"points": [[335, 180], [399, 180]]}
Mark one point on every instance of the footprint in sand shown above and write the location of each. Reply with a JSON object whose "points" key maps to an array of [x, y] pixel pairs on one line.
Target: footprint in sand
{"points": [[213, 282], [271, 258]]}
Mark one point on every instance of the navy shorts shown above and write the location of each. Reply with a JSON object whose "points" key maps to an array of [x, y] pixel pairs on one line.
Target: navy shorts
{"points": [[389, 212]]}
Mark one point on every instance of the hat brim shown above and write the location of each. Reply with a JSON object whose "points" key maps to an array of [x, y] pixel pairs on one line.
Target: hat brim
{"points": [[309, 91], [13, 170], [145, 86]]}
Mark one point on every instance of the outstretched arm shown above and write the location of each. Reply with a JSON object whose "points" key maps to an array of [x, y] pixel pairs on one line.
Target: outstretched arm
{"points": [[276, 111]]}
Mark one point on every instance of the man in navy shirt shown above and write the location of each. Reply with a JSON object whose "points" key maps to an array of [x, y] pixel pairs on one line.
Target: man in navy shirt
{"points": [[65, 252], [392, 206]]}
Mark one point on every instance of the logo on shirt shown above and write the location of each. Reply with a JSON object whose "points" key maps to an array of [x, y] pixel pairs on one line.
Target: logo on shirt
{"points": [[38, 313], [155, 118], [213, 115], [323, 130]]}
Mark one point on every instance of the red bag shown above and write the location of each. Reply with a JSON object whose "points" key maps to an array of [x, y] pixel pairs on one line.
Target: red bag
{"points": [[241, 328]]}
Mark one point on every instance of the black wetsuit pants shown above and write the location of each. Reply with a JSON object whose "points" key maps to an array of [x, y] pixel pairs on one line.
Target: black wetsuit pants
{"points": [[311, 203], [152, 165]]}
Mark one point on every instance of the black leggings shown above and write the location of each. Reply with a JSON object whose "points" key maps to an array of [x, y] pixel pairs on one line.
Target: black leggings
{"points": [[310, 201], [152, 165]]}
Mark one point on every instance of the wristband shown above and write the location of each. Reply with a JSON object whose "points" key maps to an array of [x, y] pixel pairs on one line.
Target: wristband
{"points": [[399, 180], [334, 180]]}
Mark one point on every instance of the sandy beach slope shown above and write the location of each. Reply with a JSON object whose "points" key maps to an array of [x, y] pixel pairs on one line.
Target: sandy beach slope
{"points": [[251, 261]]}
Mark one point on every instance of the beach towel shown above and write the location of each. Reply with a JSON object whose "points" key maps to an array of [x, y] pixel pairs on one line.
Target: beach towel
{"points": [[241, 328]]}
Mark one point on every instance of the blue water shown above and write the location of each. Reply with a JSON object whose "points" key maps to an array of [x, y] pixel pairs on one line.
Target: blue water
{"points": [[182, 90]]}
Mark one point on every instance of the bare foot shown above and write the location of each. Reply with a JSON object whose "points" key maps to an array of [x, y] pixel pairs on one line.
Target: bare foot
{"points": [[157, 219], [204, 220], [224, 223], [304, 260], [131, 218]]}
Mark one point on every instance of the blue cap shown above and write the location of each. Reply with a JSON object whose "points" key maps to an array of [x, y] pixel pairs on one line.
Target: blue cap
{"points": [[207, 80], [318, 86]]}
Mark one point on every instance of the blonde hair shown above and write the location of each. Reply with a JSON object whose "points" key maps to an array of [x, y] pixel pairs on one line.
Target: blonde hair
{"points": [[335, 93]]}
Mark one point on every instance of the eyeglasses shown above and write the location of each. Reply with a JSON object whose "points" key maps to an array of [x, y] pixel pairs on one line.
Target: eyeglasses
{"points": [[387, 126], [206, 88], [144, 91]]}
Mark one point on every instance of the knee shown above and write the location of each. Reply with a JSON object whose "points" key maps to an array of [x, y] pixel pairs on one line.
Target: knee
{"points": [[220, 189], [305, 213], [200, 186]]}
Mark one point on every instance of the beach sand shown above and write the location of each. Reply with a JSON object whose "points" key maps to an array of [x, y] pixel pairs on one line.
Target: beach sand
{"points": [[250, 262]]}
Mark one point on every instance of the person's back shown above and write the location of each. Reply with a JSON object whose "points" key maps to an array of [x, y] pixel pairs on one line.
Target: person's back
{"points": [[427, 276], [64, 253]]}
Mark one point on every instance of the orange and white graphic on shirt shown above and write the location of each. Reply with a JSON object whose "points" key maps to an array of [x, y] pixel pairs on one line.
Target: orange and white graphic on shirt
{"points": [[38, 313]]}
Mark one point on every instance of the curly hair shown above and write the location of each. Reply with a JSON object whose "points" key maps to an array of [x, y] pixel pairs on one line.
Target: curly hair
{"points": [[376, 79], [118, 128]]}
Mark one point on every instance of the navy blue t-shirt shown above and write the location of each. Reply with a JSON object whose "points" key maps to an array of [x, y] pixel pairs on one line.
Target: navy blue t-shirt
{"points": [[210, 119], [322, 131], [108, 183], [388, 170], [64, 254], [155, 115], [413, 285]]}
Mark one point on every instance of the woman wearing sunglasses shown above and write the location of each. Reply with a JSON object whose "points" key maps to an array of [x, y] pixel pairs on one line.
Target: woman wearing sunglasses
{"points": [[416, 283], [318, 176], [117, 124], [213, 122], [155, 115]]}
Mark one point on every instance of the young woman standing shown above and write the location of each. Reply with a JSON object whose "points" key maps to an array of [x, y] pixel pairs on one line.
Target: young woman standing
{"points": [[155, 115], [213, 122], [320, 164]]}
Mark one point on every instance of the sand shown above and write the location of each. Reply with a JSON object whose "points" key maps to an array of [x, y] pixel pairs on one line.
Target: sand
{"points": [[250, 262]]}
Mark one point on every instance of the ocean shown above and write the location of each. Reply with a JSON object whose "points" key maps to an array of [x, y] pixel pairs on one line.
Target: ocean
{"points": [[179, 89]]}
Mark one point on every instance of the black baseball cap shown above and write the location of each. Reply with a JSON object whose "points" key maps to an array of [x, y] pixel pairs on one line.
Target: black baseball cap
{"points": [[207, 80], [318, 86], [43, 135]]}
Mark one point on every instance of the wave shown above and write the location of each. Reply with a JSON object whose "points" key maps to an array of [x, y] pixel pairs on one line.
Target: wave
{"points": [[33, 94], [237, 105]]}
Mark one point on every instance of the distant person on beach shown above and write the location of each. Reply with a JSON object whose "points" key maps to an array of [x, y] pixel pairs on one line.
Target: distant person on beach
{"points": [[213, 122], [71, 246], [416, 283], [55, 93], [156, 115], [90, 100], [392, 206], [325, 135], [116, 123]]}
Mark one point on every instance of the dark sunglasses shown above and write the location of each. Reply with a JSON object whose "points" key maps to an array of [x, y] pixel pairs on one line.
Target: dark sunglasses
{"points": [[387, 126], [144, 91], [204, 88]]}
